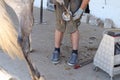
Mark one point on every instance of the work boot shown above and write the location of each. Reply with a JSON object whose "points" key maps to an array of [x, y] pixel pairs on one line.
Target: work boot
{"points": [[55, 57], [73, 59]]}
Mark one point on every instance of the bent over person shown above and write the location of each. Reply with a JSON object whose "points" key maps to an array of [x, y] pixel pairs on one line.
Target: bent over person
{"points": [[68, 14]]}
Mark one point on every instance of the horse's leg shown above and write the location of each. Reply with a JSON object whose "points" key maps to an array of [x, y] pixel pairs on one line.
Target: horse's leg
{"points": [[25, 27], [26, 46], [35, 75], [24, 12], [30, 40], [26, 23]]}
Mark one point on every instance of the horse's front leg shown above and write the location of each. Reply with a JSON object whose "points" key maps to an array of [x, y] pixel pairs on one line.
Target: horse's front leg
{"points": [[26, 23], [24, 31], [35, 75]]}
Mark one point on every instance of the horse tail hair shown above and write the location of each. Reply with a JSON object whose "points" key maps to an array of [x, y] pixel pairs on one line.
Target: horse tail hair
{"points": [[8, 34]]}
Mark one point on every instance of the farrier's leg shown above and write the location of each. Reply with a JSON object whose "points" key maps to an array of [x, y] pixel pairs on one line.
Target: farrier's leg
{"points": [[59, 31], [73, 29], [60, 23], [75, 5]]}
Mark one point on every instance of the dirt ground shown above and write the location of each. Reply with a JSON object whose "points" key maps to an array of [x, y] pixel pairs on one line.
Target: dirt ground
{"points": [[43, 45]]}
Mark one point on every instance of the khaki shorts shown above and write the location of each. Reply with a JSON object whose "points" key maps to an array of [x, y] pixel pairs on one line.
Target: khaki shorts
{"points": [[69, 26]]}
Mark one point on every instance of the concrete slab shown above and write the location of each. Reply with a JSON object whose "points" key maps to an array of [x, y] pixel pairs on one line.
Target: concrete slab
{"points": [[43, 44]]}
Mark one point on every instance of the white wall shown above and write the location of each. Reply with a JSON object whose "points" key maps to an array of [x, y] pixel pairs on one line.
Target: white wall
{"points": [[100, 9], [109, 10], [38, 2]]}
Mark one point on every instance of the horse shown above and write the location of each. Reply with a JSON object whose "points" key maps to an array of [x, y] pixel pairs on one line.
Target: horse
{"points": [[18, 43]]}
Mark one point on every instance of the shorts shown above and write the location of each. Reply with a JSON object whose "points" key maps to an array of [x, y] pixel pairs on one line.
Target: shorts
{"points": [[68, 26]]}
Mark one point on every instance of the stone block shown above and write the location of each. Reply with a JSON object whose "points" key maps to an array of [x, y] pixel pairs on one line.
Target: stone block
{"points": [[95, 21], [85, 18], [108, 23]]}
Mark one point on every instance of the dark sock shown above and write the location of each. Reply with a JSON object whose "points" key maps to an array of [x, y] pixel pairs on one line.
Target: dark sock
{"points": [[75, 51], [57, 49]]}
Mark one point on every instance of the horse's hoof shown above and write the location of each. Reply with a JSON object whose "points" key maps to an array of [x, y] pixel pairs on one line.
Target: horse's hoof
{"points": [[31, 50], [41, 78]]}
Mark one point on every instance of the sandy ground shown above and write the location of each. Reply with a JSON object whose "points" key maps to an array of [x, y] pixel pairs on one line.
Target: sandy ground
{"points": [[43, 45]]}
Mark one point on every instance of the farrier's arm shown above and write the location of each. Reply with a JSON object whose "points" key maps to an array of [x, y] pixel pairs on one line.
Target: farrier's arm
{"points": [[61, 2], [79, 12], [84, 4]]}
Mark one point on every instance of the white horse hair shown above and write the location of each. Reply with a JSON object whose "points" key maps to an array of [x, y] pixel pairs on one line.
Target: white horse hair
{"points": [[8, 35]]}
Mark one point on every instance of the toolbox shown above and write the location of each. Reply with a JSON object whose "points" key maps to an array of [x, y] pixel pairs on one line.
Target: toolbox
{"points": [[107, 56]]}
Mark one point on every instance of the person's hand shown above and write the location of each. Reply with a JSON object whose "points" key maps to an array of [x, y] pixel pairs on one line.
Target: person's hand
{"points": [[77, 14], [61, 2]]}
